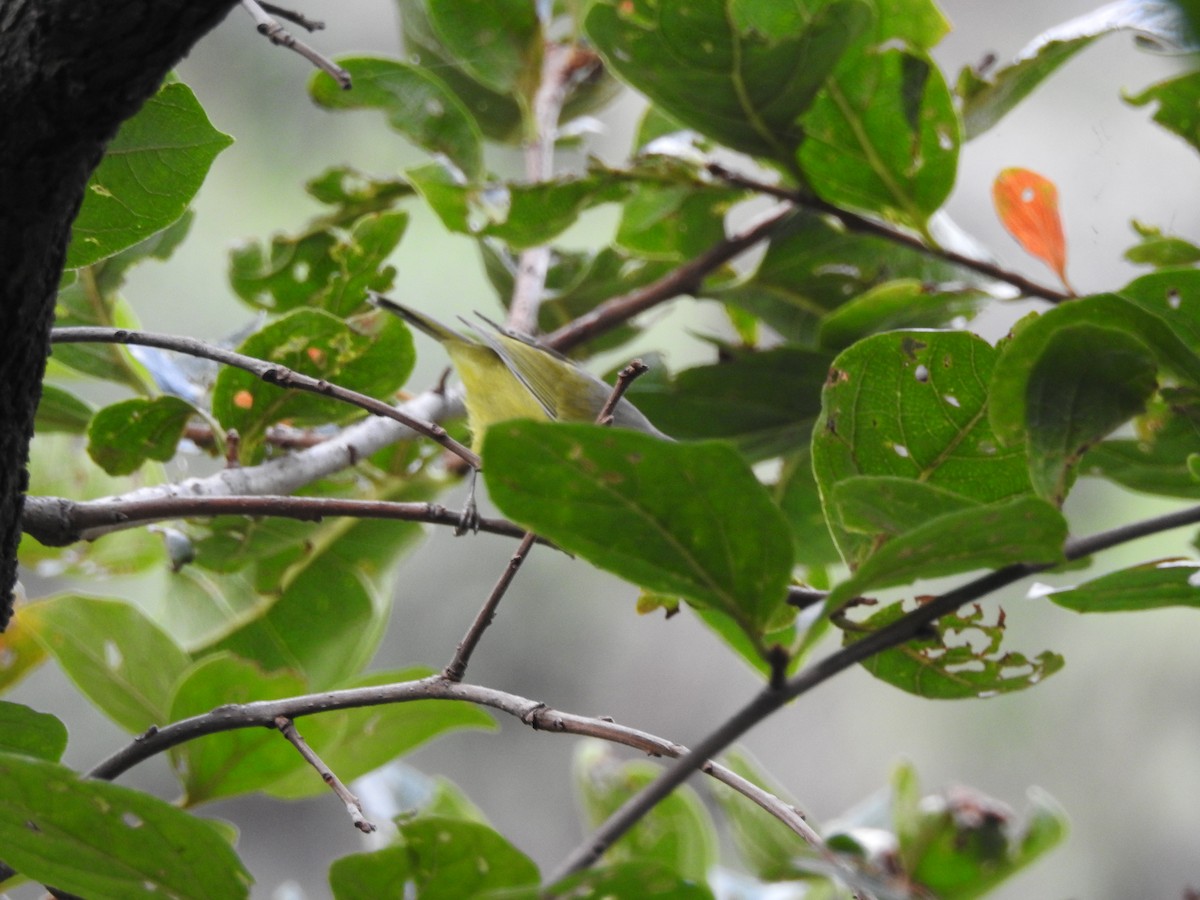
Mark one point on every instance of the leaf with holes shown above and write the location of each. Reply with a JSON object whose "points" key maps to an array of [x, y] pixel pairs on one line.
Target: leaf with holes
{"points": [[124, 436], [1027, 205], [945, 665], [912, 405]]}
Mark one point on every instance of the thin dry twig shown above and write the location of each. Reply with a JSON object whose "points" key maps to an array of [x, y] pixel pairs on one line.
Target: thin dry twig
{"points": [[288, 729], [290, 15], [271, 373], [280, 37]]}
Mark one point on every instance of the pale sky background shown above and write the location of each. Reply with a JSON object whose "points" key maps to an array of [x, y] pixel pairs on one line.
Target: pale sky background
{"points": [[1115, 736]]}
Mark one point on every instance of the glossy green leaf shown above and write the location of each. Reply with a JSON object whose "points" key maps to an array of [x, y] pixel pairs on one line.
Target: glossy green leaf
{"points": [[329, 267], [1160, 250], [904, 303], [1019, 359], [1172, 295], [417, 104], [27, 732], [883, 137], [436, 859], [499, 42], [679, 519], [1178, 105], [321, 346], [741, 73], [883, 504], [364, 739], [678, 833], [1152, 585], [769, 850], [122, 661], [124, 436], [765, 402], [913, 405], [107, 842], [1020, 530], [813, 266], [959, 658], [243, 759], [149, 174], [1087, 381], [60, 410]]}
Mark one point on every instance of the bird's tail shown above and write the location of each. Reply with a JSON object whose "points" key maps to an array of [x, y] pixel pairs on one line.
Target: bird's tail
{"points": [[420, 321]]}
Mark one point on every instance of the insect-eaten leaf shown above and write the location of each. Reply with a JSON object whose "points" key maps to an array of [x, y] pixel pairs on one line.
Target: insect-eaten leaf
{"points": [[958, 658], [683, 519], [1027, 204], [125, 435]]}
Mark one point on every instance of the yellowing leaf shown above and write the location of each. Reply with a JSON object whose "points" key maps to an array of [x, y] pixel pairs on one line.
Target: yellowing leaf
{"points": [[1027, 205]]}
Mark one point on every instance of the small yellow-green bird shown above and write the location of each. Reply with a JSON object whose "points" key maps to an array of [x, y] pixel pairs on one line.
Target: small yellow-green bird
{"points": [[510, 376]]}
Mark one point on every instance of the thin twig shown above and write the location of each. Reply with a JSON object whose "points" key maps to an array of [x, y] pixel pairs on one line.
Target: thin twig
{"points": [[627, 376], [280, 37], [58, 521], [859, 223], [686, 279], [271, 373], [288, 729], [904, 629], [289, 15]]}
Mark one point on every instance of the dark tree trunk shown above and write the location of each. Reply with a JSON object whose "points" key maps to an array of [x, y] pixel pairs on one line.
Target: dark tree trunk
{"points": [[70, 72]]}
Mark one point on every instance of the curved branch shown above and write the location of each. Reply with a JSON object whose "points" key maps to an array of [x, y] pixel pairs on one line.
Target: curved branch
{"points": [[770, 699], [271, 373]]}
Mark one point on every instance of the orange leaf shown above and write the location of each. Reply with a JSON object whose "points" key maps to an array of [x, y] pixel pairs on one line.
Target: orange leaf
{"points": [[1027, 205]]}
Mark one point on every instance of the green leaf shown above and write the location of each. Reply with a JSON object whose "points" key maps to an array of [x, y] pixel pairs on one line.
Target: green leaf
{"points": [[124, 436], [417, 103], [1088, 381], [498, 42], [766, 402], [149, 174], [20, 651], [107, 842], [1020, 356], [330, 267], [60, 410], [673, 221], [678, 519], [904, 303], [1160, 250], [882, 504], [1172, 295], [1157, 461], [243, 759], [1178, 105], [912, 405], [27, 732], [367, 738], [121, 660], [521, 215], [959, 659], [437, 859], [1020, 530], [1151, 585], [798, 498], [741, 73], [883, 137], [321, 346], [632, 879], [678, 833]]}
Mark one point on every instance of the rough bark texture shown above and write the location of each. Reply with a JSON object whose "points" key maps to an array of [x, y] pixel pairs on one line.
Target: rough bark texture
{"points": [[70, 72]]}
